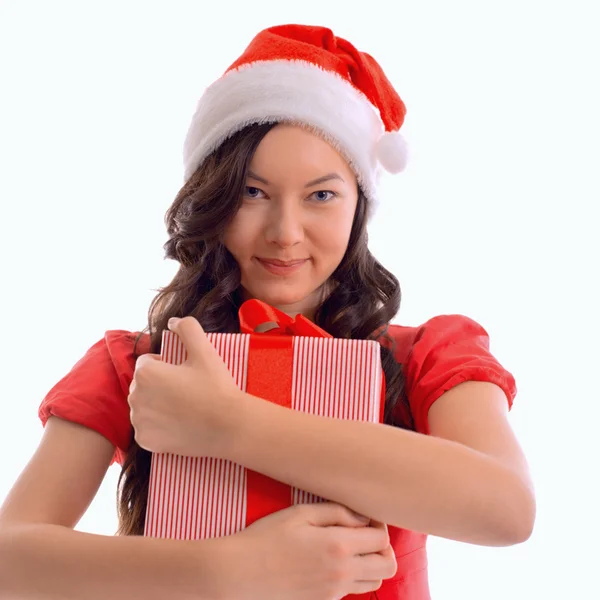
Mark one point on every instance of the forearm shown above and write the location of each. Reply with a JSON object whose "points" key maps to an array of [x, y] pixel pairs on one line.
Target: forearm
{"points": [[409, 480], [40, 561]]}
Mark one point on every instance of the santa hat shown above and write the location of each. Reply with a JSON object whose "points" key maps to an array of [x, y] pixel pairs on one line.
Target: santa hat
{"points": [[306, 75]]}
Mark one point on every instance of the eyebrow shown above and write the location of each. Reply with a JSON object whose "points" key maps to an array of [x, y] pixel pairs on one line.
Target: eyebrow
{"points": [[312, 183]]}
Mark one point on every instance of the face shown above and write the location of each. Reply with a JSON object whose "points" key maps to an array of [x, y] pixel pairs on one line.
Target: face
{"points": [[293, 227]]}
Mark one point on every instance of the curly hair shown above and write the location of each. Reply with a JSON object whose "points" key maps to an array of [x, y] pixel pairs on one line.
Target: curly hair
{"points": [[364, 299]]}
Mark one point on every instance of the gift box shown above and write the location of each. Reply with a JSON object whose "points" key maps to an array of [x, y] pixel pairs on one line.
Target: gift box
{"points": [[295, 364]]}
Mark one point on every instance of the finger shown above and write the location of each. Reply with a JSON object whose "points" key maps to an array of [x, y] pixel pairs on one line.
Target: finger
{"points": [[362, 540], [364, 587], [192, 336], [382, 527], [144, 371], [326, 514], [145, 359], [378, 525], [152, 356], [376, 565]]}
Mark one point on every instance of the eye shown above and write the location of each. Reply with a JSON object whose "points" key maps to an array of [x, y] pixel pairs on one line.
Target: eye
{"points": [[323, 195], [252, 192]]}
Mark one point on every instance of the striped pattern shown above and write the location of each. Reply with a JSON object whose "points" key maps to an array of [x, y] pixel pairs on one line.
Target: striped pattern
{"points": [[199, 498], [335, 378]]}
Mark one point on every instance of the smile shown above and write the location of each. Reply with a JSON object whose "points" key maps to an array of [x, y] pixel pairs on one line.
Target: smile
{"points": [[281, 267]]}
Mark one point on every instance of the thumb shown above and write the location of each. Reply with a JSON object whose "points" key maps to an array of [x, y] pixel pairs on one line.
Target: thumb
{"points": [[191, 334]]}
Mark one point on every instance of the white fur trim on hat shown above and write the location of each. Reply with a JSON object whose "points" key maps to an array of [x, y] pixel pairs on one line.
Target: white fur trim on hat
{"points": [[296, 91]]}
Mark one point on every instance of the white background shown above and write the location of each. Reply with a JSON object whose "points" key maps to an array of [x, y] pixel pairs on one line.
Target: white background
{"points": [[494, 217]]}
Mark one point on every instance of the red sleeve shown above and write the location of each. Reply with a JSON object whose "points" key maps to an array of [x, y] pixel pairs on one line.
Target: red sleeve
{"points": [[94, 393], [445, 351]]}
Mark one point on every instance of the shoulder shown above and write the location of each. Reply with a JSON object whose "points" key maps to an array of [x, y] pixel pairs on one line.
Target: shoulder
{"points": [[122, 346], [438, 331], [124, 341], [94, 392], [114, 352], [441, 353]]}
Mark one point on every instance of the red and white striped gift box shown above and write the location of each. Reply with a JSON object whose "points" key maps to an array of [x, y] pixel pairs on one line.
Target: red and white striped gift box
{"points": [[198, 498]]}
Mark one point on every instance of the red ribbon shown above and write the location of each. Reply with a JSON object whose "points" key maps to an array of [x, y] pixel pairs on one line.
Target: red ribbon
{"points": [[269, 376], [253, 313]]}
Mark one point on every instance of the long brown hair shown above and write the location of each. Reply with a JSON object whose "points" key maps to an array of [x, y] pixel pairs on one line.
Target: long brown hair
{"points": [[207, 286]]}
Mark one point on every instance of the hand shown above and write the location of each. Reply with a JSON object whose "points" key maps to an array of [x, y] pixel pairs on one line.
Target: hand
{"points": [[309, 552], [183, 409]]}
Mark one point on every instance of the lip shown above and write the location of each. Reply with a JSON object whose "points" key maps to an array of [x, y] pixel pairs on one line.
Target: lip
{"points": [[281, 267]]}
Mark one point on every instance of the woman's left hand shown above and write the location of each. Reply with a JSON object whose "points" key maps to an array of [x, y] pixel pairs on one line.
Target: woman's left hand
{"points": [[184, 409]]}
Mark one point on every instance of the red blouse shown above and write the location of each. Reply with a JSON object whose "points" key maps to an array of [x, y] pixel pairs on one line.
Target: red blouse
{"points": [[441, 353]]}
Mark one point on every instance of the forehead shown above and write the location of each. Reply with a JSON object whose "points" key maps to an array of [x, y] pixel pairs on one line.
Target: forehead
{"points": [[293, 150]]}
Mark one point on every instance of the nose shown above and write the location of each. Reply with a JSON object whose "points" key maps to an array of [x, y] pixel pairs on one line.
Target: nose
{"points": [[284, 225]]}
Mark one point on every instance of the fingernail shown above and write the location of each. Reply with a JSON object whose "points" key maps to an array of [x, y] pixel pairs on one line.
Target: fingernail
{"points": [[172, 322]]}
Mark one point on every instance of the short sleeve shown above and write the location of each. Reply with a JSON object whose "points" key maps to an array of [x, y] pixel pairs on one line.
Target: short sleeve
{"points": [[94, 392], [448, 350]]}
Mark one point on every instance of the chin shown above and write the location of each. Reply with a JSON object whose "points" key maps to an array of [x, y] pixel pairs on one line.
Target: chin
{"points": [[279, 298]]}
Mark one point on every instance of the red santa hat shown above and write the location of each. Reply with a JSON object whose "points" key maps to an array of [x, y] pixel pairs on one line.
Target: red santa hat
{"points": [[306, 75]]}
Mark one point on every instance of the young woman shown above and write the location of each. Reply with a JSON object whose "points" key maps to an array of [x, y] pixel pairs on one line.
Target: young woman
{"points": [[281, 164]]}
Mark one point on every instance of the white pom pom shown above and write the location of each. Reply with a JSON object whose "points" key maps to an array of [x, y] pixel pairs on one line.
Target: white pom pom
{"points": [[392, 152]]}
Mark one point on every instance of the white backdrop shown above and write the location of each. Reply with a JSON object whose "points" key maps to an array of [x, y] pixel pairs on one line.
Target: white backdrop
{"points": [[492, 219]]}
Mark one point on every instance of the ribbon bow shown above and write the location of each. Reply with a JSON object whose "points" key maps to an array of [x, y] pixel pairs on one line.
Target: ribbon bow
{"points": [[254, 312]]}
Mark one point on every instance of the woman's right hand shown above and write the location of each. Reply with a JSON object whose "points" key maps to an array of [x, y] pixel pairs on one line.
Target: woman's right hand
{"points": [[318, 551]]}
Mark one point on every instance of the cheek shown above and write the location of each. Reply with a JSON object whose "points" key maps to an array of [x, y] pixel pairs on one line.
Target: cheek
{"points": [[334, 233], [237, 238]]}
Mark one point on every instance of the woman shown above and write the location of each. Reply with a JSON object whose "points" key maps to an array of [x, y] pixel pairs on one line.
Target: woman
{"points": [[281, 164]]}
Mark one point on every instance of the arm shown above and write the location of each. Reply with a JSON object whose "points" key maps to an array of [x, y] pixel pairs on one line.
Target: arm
{"points": [[39, 561], [317, 551], [42, 557], [467, 481]]}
